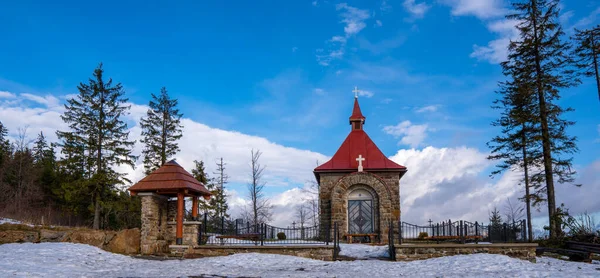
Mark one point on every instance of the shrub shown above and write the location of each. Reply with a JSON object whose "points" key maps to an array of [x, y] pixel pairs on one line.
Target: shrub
{"points": [[423, 235], [281, 236]]}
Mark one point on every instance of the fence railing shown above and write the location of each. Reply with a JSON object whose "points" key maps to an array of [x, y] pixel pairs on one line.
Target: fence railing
{"points": [[226, 232], [463, 232]]}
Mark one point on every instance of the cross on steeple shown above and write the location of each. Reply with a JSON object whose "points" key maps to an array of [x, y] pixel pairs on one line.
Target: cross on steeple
{"points": [[356, 91], [360, 159]]}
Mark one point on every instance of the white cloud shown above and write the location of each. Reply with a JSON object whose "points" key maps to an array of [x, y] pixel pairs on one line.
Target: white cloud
{"points": [[412, 135], [319, 91], [5, 94], [48, 100], [588, 20], [285, 165], [417, 10], [429, 108], [354, 18], [378, 23], [382, 46], [565, 17], [482, 9], [365, 93], [445, 183], [385, 6], [496, 50]]}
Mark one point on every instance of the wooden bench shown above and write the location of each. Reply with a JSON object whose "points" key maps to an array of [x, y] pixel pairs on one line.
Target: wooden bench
{"points": [[584, 246], [574, 255], [371, 237]]}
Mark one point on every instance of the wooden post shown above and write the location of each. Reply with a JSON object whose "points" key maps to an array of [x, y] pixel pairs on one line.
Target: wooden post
{"points": [[179, 234], [195, 207]]}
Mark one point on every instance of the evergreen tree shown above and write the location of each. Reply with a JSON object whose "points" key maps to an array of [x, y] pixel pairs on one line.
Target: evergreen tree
{"points": [[98, 135], [516, 147], [220, 198], [216, 206], [45, 162], [495, 218], [40, 148], [587, 52], [542, 59], [199, 174], [161, 129], [4, 150]]}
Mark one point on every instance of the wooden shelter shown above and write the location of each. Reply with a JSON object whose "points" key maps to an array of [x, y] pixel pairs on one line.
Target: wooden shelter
{"points": [[170, 180]]}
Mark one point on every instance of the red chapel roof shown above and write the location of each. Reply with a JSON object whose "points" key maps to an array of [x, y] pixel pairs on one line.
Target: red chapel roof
{"points": [[171, 176], [358, 143]]}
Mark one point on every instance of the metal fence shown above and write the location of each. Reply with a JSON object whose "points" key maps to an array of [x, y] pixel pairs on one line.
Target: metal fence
{"points": [[227, 232], [463, 232]]}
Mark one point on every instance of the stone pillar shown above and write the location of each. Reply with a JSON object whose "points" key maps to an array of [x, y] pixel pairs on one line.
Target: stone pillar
{"points": [[154, 224]]}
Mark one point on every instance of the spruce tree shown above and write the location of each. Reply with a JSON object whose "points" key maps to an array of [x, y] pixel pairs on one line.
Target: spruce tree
{"points": [[98, 135], [495, 218], [200, 174], [516, 147], [45, 162], [160, 130], [40, 148], [4, 146], [220, 198], [541, 58], [216, 207], [587, 53]]}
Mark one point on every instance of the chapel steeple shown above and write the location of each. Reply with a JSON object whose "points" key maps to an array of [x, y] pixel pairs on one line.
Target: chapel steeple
{"points": [[357, 120]]}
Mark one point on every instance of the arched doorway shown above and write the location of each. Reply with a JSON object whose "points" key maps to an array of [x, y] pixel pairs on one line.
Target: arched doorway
{"points": [[360, 212]]}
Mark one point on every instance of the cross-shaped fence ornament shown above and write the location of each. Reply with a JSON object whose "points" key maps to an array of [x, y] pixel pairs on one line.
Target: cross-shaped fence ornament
{"points": [[360, 159], [356, 91], [294, 225], [430, 222]]}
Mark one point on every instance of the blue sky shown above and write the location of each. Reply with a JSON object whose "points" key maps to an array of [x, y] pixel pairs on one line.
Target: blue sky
{"points": [[284, 71]]}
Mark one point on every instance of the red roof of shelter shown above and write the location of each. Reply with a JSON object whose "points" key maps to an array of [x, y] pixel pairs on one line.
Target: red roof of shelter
{"points": [[170, 178], [358, 143]]}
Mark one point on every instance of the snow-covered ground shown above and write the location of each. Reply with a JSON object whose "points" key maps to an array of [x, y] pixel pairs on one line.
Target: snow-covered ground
{"points": [[8, 221], [76, 260], [363, 251]]}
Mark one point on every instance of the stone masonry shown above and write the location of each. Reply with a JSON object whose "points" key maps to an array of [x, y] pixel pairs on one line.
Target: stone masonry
{"points": [[154, 224], [384, 186], [524, 251]]}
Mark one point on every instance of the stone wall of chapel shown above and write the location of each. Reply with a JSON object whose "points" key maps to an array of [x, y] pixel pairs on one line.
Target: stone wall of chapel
{"points": [[333, 194]]}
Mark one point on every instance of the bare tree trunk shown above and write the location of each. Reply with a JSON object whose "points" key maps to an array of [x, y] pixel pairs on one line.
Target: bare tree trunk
{"points": [[595, 58], [260, 207], [96, 224], [527, 197]]}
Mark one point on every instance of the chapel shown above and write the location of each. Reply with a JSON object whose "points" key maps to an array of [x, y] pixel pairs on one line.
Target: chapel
{"points": [[359, 187]]}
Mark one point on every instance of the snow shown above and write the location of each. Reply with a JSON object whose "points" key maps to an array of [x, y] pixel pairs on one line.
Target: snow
{"points": [[8, 221], [76, 260], [362, 251]]}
